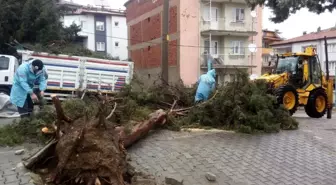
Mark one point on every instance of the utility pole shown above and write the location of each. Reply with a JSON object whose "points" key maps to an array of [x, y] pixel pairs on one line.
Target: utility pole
{"points": [[165, 38], [329, 109]]}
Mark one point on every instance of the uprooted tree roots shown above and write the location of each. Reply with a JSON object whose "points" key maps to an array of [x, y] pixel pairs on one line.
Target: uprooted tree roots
{"points": [[90, 150]]}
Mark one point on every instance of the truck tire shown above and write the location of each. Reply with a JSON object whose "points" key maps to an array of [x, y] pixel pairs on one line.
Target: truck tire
{"points": [[288, 97], [4, 90], [317, 103]]}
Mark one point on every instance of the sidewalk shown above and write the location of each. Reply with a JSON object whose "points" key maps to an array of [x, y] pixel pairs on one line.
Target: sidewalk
{"points": [[11, 171]]}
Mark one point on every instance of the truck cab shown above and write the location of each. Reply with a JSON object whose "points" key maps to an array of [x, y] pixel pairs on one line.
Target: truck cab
{"points": [[8, 66]]}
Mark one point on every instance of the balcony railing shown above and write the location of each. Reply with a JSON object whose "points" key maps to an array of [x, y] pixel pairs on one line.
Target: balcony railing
{"points": [[225, 60], [217, 60], [226, 25]]}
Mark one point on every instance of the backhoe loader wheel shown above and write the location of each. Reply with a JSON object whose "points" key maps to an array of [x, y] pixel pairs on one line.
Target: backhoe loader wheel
{"points": [[317, 104], [288, 97]]}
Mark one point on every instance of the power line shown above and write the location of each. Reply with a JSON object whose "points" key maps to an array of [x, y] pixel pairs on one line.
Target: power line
{"points": [[180, 45]]}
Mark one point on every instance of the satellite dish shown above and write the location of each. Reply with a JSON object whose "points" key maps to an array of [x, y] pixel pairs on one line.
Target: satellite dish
{"points": [[252, 48], [253, 14]]}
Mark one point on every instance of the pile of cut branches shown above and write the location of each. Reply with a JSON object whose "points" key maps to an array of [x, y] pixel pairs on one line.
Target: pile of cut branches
{"points": [[242, 105]]}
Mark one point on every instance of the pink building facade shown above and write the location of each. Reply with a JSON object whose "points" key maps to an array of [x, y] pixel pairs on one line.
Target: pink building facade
{"points": [[198, 29]]}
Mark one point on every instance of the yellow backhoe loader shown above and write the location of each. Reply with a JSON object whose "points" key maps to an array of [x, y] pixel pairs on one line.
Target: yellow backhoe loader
{"points": [[298, 80]]}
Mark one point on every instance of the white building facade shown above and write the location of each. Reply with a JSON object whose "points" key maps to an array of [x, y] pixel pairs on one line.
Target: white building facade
{"points": [[102, 30], [227, 28], [318, 43]]}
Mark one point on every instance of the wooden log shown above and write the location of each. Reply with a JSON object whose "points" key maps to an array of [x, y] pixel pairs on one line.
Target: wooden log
{"points": [[59, 110], [157, 118], [39, 155]]}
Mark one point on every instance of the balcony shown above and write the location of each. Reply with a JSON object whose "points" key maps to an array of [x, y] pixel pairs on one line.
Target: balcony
{"points": [[221, 27], [227, 61]]}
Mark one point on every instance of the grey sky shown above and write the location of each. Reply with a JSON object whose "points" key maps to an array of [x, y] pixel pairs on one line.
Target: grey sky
{"points": [[292, 27]]}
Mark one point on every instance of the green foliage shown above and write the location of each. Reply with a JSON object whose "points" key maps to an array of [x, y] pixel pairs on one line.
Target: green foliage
{"points": [[10, 19], [27, 130], [283, 9], [244, 106], [77, 108], [39, 22], [70, 34]]}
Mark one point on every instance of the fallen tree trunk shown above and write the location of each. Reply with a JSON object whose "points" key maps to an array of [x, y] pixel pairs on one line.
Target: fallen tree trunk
{"points": [[140, 130], [90, 150]]}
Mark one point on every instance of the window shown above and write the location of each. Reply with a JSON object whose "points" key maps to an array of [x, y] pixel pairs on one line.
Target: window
{"points": [[4, 63], [215, 48], [216, 18], [331, 48], [215, 14], [287, 64], [206, 13], [237, 48], [100, 26], [332, 65], [116, 44], [206, 47], [315, 70], [116, 23], [100, 46], [238, 14], [83, 25]]}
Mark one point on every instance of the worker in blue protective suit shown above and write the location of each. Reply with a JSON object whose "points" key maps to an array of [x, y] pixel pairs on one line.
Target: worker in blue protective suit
{"points": [[206, 84], [22, 94]]}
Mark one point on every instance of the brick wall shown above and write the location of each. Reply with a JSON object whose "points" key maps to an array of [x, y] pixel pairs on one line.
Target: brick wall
{"points": [[151, 28], [150, 57], [135, 34], [145, 31], [173, 20], [135, 9]]}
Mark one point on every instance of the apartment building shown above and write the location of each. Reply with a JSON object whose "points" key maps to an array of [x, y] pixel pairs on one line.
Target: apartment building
{"points": [[315, 39], [268, 54], [198, 29], [102, 30]]}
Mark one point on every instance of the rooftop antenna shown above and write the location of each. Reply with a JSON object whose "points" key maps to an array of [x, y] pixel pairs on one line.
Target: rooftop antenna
{"points": [[101, 3]]}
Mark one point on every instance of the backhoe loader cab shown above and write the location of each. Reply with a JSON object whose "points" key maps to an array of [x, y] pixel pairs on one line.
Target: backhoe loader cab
{"points": [[298, 80]]}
